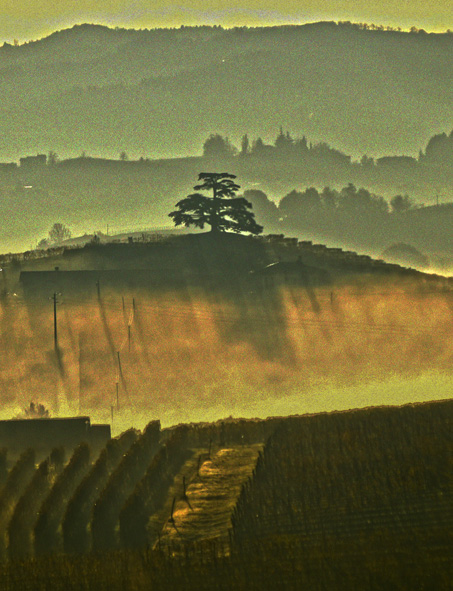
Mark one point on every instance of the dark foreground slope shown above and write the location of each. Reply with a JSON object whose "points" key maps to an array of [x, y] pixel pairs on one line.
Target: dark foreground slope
{"points": [[356, 500]]}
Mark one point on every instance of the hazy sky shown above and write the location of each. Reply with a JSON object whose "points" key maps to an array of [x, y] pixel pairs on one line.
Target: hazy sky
{"points": [[30, 19]]}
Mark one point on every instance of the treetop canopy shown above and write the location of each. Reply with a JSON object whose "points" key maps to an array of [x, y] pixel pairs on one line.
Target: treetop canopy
{"points": [[222, 211]]}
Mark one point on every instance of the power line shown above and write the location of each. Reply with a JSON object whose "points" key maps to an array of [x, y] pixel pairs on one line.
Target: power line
{"points": [[280, 319]]}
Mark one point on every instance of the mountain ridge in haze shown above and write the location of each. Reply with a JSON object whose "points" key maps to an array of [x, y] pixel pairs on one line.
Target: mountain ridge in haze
{"points": [[158, 92]]}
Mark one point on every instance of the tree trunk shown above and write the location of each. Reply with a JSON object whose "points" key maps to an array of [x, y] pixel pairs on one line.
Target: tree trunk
{"points": [[214, 217]]}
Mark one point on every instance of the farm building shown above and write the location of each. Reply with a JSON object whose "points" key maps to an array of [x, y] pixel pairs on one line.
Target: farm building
{"points": [[44, 434]]}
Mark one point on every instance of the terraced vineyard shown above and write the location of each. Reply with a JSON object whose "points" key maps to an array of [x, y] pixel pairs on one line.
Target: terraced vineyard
{"points": [[344, 500], [123, 498]]}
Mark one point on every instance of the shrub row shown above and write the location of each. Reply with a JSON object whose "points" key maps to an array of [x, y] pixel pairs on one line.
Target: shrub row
{"points": [[120, 485], [46, 535], [76, 537], [151, 492], [23, 520], [18, 478], [3, 465]]}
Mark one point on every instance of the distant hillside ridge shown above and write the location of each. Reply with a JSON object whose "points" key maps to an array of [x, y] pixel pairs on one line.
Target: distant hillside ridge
{"points": [[316, 195], [158, 92], [227, 261]]}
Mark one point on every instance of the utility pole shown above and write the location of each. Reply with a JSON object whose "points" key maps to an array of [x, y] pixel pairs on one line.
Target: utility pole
{"points": [[80, 375], [55, 329], [2, 274]]}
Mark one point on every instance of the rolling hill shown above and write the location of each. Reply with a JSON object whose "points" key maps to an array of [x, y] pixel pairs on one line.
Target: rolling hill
{"points": [[158, 93], [199, 325]]}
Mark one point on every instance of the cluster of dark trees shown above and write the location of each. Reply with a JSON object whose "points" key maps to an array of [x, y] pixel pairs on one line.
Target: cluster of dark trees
{"points": [[439, 150], [349, 199], [216, 146], [305, 208], [353, 217], [223, 210], [350, 216]]}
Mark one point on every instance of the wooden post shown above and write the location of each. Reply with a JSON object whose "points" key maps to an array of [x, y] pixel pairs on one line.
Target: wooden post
{"points": [[55, 331], [80, 377]]}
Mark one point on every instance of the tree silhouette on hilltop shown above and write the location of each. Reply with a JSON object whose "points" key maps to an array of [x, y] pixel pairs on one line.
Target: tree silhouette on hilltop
{"points": [[222, 210]]}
